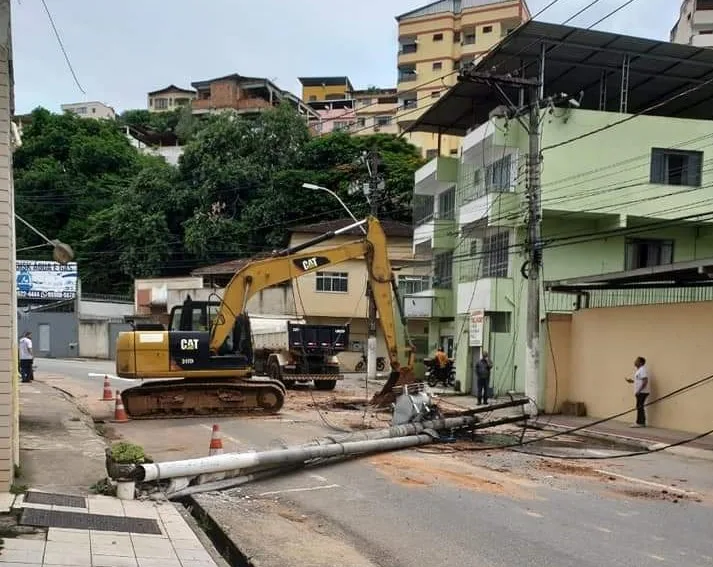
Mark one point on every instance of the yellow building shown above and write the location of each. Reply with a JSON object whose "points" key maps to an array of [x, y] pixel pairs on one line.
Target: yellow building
{"points": [[434, 42], [325, 88], [375, 111], [169, 98]]}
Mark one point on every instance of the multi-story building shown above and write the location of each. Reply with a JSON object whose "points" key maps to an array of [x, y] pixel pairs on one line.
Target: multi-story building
{"points": [[169, 98], [375, 111], [245, 95], [434, 42], [621, 191], [333, 115], [91, 109], [695, 24], [325, 88]]}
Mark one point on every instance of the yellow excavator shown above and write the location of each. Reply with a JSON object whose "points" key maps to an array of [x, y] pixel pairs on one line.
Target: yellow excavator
{"points": [[208, 346]]}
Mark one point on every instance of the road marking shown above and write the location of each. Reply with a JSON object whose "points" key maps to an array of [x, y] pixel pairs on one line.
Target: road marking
{"points": [[648, 483], [318, 477], [657, 557], [222, 435], [309, 489], [627, 514], [533, 514], [601, 529], [110, 376]]}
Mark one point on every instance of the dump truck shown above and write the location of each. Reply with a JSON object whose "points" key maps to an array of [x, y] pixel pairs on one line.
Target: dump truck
{"points": [[294, 352]]}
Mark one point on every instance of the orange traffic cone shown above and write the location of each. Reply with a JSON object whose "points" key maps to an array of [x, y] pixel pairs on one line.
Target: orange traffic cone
{"points": [[107, 396], [119, 411], [216, 443]]}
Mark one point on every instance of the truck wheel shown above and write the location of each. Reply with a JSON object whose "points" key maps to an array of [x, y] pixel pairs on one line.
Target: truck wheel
{"points": [[359, 366], [380, 365], [325, 384]]}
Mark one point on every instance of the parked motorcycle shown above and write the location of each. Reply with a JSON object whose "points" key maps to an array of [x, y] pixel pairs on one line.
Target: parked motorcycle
{"points": [[433, 377], [380, 364]]}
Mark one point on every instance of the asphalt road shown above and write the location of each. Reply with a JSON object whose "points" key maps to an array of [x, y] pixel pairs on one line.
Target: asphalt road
{"points": [[491, 508]]}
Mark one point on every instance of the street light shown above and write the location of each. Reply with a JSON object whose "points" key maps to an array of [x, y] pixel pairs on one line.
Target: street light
{"points": [[62, 252], [333, 194]]}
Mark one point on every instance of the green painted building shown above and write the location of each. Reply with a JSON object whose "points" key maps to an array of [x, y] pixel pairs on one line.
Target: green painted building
{"points": [[619, 192]]}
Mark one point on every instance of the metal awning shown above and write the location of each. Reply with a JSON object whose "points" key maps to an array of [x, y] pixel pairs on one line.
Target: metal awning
{"points": [[694, 273], [616, 73]]}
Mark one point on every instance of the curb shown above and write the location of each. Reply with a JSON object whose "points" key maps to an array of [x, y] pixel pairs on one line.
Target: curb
{"points": [[644, 444]]}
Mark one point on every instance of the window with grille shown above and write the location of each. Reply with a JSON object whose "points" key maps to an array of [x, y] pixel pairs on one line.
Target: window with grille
{"points": [[430, 154], [676, 167], [333, 282], [469, 266], [498, 174], [409, 285], [500, 321], [447, 204], [496, 255], [644, 253], [443, 270], [422, 208]]}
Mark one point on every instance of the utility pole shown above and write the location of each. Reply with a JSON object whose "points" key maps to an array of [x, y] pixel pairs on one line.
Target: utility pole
{"points": [[531, 269], [372, 191]]}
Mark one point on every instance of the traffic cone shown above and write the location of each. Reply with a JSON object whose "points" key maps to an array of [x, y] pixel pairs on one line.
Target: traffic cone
{"points": [[119, 411], [216, 443], [107, 396]]}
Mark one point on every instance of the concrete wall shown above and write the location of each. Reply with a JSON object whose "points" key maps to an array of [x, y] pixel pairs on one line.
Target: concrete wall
{"points": [[104, 309], [9, 405], [54, 335], [598, 352], [97, 337]]}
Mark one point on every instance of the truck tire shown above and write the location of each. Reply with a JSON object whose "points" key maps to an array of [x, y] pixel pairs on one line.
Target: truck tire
{"points": [[325, 384], [359, 366]]}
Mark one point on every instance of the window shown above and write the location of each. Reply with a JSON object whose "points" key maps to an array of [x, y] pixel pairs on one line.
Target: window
{"points": [[422, 208], [161, 103], [366, 102], [361, 122], [495, 255], [676, 167], [456, 37], [408, 285], [333, 282], [94, 110], [447, 204], [410, 103], [437, 37], [487, 29], [435, 94], [443, 270], [498, 174], [643, 253], [407, 73], [499, 321], [456, 64], [469, 36], [437, 65], [409, 48], [81, 110], [383, 120], [430, 154], [454, 152], [341, 125], [705, 32]]}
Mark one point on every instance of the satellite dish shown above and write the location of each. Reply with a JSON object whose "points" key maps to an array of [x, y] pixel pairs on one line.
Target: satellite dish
{"points": [[62, 252]]}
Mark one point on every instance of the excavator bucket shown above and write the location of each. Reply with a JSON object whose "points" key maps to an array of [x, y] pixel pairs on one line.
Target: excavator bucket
{"points": [[405, 375]]}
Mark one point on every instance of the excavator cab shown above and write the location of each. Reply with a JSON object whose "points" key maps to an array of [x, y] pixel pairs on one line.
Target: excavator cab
{"points": [[190, 325]]}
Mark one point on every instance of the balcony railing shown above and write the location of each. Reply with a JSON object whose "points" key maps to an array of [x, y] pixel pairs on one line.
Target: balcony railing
{"points": [[407, 77], [408, 48], [237, 104]]}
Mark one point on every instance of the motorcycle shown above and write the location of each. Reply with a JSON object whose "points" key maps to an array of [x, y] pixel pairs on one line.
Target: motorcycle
{"points": [[433, 377], [380, 364]]}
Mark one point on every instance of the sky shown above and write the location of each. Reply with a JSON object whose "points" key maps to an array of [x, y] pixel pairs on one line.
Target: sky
{"points": [[122, 50]]}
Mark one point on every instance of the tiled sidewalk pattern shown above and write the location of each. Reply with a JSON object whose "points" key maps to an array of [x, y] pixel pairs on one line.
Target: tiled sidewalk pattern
{"points": [[177, 546]]}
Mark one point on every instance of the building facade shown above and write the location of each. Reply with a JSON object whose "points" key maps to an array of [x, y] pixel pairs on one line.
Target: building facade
{"points": [[695, 24], [325, 88], [92, 109], [244, 95], [620, 190], [169, 98], [375, 111], [434, 42]]}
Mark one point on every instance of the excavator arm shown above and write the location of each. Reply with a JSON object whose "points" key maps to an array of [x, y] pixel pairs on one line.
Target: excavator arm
{"points": [[294, 262]]}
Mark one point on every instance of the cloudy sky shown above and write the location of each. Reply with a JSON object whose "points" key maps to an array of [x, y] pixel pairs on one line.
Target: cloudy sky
{"points": [[121, 50]]}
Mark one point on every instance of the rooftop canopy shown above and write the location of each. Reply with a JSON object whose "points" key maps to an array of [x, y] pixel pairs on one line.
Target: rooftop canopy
{"points": [[325, 81], [615, 73]]}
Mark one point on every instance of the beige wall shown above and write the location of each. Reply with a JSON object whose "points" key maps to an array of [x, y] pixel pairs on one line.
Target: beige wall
{"points": [[599, 351], [9, 440]]}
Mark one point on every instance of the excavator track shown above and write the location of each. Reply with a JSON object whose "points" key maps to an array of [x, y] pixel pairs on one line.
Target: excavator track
{"points": [[184, 398]]}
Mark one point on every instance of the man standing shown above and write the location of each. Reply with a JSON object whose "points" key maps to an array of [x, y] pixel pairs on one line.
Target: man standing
{"points": [[642, 388], [441, 360], [26, 357], [482, 375]]}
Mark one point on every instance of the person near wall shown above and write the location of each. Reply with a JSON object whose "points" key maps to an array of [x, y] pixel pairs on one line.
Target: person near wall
{"points": [[482, 376], [642, 389], [441, 365], [26, 357]]}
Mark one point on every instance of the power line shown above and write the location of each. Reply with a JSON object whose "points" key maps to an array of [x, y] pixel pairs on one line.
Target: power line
{"points": [[61, 46]]}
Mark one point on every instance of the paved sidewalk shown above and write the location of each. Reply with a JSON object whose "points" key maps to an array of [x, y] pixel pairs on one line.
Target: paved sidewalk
{"points": [[177, 545], [646, 437]]}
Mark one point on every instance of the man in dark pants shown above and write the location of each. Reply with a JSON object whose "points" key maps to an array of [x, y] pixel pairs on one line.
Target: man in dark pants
{"points": [[26, 357], [642, 389], [482, 376]]}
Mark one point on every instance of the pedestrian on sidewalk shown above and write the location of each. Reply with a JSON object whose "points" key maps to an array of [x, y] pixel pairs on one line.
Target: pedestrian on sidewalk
{"points": [[26, 357], [642, 389], [482, 377]]}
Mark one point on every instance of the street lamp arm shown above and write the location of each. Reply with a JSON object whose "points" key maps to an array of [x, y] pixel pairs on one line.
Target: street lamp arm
{"points": [[33, 229], [333, 194]]}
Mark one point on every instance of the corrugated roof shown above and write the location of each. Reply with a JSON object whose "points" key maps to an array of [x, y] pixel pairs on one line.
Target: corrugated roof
{"points": [[575, 61], [223, 268], [171, 88], [391, 228], [234, 76]]}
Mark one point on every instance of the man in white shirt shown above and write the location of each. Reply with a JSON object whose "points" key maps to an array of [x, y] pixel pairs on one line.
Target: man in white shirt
{"points": [[642, 388], [26, 357]]}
